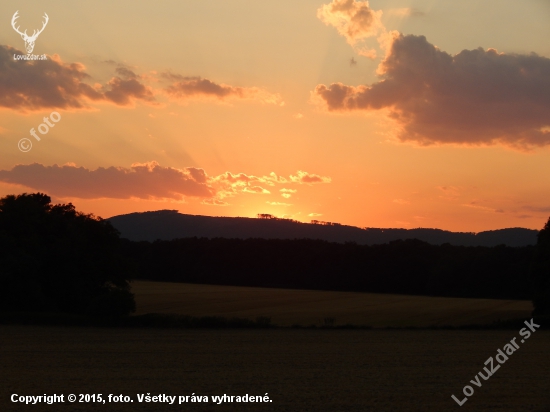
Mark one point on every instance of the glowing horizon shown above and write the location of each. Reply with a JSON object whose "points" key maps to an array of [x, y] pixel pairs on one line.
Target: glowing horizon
{"points": [[370, 114]]}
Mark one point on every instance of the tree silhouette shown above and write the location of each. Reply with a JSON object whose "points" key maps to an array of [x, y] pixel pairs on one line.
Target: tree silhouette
{"points": [[401, 266], [54, 258], [541, 273]]}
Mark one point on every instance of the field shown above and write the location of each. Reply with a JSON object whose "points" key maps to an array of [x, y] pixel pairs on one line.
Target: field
{"points": [[305, 307], [301, 370]]}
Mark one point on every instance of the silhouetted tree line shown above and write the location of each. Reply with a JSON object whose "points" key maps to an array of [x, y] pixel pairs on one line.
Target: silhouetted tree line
{"points": [[541, 272], [403, 267], [55, 259]]}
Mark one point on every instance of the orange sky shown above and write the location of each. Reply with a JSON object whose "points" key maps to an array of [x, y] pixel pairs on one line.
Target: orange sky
{"points": [[381, 114]]}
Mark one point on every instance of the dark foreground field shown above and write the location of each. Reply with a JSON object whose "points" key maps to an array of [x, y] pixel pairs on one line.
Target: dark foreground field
{"points": [[288, 307], [301, 370]]}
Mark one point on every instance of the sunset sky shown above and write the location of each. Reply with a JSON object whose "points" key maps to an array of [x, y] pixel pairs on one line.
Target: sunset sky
{"points": [[394, 113]]}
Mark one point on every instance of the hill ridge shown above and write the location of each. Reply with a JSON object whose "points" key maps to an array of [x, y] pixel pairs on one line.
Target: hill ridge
{"points": [[170, 224]]}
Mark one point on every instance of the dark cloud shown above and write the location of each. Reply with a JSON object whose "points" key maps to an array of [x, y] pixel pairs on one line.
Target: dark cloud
{"points": [[416, 13], [123, 92], [474, 97], [143, 181], [186, 87], [199, 86], [35, 85], [126, 73], [540, 209]]}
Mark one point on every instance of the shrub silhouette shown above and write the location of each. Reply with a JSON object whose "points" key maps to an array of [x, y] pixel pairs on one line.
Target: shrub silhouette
{"points": [[56, 259]]}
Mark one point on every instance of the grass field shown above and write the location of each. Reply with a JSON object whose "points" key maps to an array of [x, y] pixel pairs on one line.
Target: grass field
{"points": [[301, 370], [328, 370], [305, 307]]}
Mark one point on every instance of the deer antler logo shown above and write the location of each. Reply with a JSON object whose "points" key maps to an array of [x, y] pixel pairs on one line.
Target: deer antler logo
{"points": [[29, 40]]}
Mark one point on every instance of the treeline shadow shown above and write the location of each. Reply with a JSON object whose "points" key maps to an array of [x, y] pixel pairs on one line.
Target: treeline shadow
{"points": [[408, 267]]}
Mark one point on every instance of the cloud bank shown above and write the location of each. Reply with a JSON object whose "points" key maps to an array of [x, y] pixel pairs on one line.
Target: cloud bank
{"points": [[53, 84], [476, 97], [144, 181], [35, 85]]}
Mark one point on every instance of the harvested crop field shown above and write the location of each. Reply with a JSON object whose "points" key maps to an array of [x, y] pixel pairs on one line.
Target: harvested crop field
{"points": [[286, 307], [301, 370]]}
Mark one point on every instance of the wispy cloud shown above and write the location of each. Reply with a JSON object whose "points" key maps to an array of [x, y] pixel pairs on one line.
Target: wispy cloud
{"points": [[309, 178], [278, 204], [405, 12], [449, 192], [184, 88], [256, 190], [475, 204], [287, 193]]}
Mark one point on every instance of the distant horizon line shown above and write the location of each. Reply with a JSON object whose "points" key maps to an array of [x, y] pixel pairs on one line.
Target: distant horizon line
{"points": [[176, 211]]}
